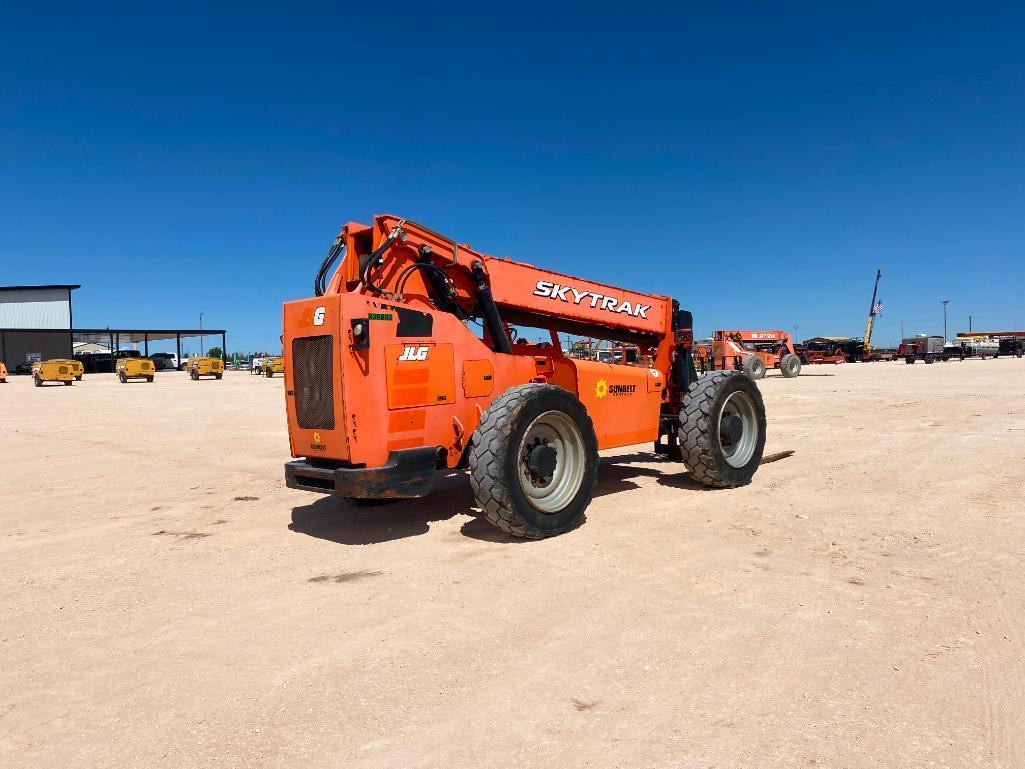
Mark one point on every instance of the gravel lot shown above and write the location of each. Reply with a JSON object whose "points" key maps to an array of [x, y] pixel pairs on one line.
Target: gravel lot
{"points": [[166, 602]]}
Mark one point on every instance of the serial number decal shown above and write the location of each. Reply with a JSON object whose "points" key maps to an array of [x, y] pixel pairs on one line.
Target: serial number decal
{"points": [[380, 316]]}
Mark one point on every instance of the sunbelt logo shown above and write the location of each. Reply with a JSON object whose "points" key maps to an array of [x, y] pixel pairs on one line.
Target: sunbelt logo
{"points": [[571, 295]]}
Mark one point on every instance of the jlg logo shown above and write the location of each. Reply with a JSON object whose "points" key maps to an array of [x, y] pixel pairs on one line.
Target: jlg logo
{"points": [[415, 353]]}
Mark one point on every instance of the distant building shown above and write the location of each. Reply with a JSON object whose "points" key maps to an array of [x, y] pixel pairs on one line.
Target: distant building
{"points": [[35, 323], [89, 347]]}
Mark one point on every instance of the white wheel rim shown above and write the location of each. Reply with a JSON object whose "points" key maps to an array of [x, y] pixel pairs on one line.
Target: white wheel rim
{"points": [[738, 453], [559, 432]]}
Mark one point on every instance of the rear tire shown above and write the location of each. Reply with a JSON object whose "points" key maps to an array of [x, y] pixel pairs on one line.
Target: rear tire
{"points": [[790, 366], [534, 461], [754, 367], [38, 381], [194, 375], [149, 379], [269, 374], [122, 377], [218, 376], [722, 429], [67, 383], [909, 360]]}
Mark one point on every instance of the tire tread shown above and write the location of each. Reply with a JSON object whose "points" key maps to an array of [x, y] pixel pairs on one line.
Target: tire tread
{"points": [[488, 449]]}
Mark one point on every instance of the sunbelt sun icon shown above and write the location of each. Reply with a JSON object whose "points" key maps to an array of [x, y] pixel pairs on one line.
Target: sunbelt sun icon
{"points": [[601, 389]]}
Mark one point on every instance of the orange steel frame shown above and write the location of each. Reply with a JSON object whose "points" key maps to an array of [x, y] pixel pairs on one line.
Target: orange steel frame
{"points": [[396, 391]]}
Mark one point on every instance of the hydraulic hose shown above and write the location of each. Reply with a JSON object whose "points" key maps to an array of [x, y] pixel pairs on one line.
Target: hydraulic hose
{"points": [[320, 282], [492, 320], [374, 259]]}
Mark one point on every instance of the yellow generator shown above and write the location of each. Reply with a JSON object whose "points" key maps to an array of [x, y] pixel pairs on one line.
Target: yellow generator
{"points": [[52, 371], [135, 368], [77, 369], [198, 366], [272, 366], [3, 373]]}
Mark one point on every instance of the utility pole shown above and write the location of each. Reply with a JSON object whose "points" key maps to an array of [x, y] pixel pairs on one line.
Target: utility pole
{"points": [[902, 331], [944, 302], [969, 324], [202, 351]]}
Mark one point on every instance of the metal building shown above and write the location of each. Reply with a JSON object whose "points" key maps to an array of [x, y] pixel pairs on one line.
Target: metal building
{"points": [[35, 323]]}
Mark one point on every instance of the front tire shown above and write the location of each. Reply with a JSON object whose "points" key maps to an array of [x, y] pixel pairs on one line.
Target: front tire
{"points": [[38, 381], [754, 366], [534, 461], [790, 366], [722, 429]]}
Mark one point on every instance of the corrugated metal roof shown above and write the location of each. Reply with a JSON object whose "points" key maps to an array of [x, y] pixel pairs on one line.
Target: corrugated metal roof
{"points": [[101, 335], [68, 286]]}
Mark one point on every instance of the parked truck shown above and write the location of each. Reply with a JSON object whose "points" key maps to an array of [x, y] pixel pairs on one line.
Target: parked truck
{"points": [[921, 347], [1011, 346]]}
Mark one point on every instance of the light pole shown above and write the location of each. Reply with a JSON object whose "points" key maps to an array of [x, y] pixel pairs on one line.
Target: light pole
{"points": [[202, 352], [944, 303]]}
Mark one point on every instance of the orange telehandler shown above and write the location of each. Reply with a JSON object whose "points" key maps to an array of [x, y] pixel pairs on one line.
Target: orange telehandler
{"points": [[752, 351], [386, 381]]}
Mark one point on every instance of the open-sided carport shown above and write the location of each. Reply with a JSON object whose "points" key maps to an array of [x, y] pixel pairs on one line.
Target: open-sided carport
{"points": [[115, 336]]}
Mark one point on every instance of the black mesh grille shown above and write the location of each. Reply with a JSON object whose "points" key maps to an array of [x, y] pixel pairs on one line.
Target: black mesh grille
{"points": [[312, 359]]}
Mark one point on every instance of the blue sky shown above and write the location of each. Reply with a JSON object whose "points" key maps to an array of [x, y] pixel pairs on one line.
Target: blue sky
{"points": [[757, 161]]}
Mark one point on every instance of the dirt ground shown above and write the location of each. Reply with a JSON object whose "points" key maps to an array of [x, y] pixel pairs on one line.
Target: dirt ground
{"points": [[166, 602]]}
